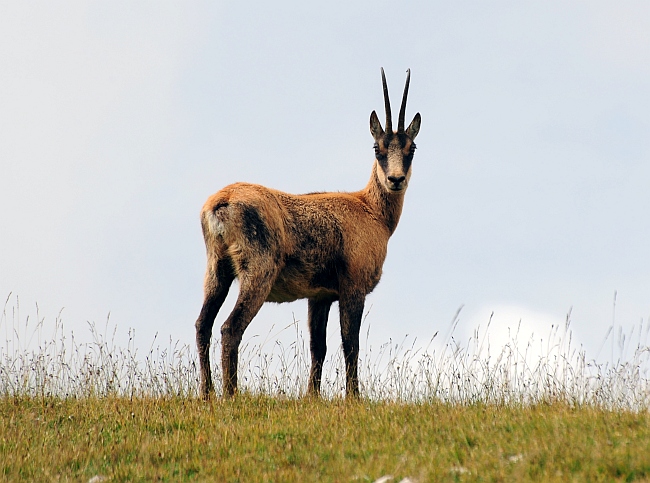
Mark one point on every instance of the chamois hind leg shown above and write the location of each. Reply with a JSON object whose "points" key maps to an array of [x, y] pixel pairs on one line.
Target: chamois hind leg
{"points": [[253, 291], [351, 312], [218, 278], [318, 311]]}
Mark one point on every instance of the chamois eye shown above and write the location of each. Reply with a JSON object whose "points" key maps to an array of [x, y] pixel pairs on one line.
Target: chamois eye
{"points": [[378, 153], [412, 150]]}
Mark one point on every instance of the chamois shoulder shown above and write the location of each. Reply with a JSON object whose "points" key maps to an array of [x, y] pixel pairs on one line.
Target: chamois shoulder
{"points": [[355, 201]]}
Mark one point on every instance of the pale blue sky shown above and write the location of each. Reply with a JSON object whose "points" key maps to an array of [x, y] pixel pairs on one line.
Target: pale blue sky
{"points": [[529, 192]]}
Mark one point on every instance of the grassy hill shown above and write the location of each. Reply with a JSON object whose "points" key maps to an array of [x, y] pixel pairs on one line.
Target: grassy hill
{"points": [[274, 439], [96, 411]]}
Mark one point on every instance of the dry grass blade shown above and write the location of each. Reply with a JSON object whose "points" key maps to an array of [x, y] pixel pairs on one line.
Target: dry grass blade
{"points": [[470, 373]]}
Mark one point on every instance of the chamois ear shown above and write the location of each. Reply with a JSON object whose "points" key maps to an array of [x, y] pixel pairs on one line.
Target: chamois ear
{"points": [[375, 127], [414, 127]]}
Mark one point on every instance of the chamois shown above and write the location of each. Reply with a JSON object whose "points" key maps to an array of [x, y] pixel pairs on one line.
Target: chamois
{"points": [[320, 246]]}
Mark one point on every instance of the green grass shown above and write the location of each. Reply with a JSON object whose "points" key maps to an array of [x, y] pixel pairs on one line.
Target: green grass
{"points": [[270, 439], [72, 411]]}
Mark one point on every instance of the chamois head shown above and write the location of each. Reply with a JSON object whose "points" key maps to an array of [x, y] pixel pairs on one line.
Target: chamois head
{"points": [[394, 149]]}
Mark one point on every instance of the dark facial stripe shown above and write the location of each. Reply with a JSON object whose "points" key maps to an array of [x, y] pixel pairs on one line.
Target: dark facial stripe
{"points": [[381, 149]]}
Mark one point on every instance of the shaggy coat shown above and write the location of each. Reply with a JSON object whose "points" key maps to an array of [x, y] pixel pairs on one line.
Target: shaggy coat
{"points": [[324, 247]]}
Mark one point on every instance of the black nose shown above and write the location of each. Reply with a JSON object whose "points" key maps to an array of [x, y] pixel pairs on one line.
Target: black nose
{"points": [[396, 179]]}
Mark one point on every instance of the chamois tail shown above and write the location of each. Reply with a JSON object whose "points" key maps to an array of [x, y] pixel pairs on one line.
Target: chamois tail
{"points": [[215, 217]]}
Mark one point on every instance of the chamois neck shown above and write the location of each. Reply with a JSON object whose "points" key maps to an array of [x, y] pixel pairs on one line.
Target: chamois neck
{"points": [[387, 206]]}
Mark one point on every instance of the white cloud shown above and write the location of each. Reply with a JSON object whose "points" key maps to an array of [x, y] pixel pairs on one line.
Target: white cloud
{"points": [[499, 326]]}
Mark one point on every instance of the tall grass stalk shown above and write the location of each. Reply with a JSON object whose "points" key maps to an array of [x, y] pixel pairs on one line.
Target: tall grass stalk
{"points": [[35, 362]]}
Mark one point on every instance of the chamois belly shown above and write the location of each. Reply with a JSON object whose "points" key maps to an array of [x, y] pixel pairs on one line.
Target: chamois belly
{"points": [[297, 281]]}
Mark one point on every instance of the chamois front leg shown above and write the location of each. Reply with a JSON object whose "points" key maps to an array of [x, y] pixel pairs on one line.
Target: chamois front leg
{"points": [[253, 291], [318, 311], [351, 312], [218, 278]]}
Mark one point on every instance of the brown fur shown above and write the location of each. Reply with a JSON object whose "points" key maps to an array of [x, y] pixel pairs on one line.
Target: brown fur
{"points": [[320, 246]]}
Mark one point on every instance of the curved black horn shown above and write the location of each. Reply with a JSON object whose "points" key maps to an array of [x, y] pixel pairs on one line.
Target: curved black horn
{"points": [[389, 117], [402, 110]]}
